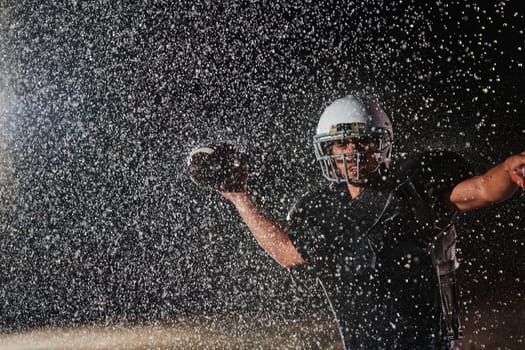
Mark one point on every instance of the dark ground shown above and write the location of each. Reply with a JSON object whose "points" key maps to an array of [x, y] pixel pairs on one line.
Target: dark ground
{"points": [[493, 323]]}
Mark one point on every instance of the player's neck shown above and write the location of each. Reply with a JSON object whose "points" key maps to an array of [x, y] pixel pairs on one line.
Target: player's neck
{"points": [[355, 191]]}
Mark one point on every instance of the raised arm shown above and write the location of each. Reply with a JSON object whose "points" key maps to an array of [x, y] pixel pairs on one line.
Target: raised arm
{"points": [[497, 184], [222, 168], [272, 238]]}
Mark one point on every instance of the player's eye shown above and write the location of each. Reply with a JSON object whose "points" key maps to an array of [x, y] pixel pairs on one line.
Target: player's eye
{"points": [[343, 143], [368, 142]]}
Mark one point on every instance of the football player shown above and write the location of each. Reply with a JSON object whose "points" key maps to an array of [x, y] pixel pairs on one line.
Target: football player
{"points": [[379, 241]]}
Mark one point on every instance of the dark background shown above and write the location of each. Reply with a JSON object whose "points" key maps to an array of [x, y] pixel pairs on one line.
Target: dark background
{"points": [[101, 101]]}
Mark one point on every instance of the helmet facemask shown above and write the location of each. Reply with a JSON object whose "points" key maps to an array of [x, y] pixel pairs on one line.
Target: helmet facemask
{"points": [[361, 136]]}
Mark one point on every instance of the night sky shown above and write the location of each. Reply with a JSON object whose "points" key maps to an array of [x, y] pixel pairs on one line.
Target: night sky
{"points": [[101, 101]]}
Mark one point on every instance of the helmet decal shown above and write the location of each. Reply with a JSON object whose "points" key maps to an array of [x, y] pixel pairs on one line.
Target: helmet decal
{"points": [[352, 128]]}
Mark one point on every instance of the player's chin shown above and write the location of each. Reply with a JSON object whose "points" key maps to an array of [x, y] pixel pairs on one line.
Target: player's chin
{"points": [[353, 179], [361, 180]]}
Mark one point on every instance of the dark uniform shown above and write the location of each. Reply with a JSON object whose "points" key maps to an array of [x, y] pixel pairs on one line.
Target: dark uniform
{"points": [[381, 257]]}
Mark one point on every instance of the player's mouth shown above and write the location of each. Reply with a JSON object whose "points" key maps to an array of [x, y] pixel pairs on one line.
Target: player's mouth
{"points": [[351, 169]]}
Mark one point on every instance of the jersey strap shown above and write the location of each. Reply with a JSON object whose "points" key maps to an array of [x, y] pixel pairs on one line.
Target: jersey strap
{"points": [[448, 290], [445, 270]]}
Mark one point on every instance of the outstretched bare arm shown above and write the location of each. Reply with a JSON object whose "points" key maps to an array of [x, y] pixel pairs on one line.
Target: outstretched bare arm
{"points": [[272, 238], [497, 184]]}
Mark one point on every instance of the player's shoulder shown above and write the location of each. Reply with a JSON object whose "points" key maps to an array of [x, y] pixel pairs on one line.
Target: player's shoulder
{"points": [[315, 200], [433, 171], [431, 162]]}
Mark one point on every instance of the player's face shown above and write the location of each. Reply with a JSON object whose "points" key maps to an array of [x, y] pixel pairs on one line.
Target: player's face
{"points": [[367, 148]]}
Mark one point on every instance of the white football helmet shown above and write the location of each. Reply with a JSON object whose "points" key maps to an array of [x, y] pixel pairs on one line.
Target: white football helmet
{"points": [[352, 118]]}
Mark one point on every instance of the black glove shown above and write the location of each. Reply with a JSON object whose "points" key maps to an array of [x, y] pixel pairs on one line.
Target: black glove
{"points": [[220, 167]]}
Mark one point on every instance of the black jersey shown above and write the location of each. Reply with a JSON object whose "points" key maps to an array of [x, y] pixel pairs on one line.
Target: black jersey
{"points": [[377, 255]]}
